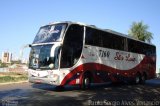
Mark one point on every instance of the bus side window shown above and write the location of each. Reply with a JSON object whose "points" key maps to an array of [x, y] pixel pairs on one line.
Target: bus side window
{"points": [[132, 46], [93, 37], [72, 46], [89, 36]]}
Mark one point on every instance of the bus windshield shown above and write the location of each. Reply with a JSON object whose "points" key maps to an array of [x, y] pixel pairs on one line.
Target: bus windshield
{"points": [[40, 57], [50, 33]]}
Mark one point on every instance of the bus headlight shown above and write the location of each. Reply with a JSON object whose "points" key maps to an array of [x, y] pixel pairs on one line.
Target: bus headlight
{"points": [[51, 76], [54, 76]]}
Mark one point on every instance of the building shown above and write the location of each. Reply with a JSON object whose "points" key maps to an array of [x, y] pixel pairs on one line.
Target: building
{"points": [[24, 61], [6, 57]]}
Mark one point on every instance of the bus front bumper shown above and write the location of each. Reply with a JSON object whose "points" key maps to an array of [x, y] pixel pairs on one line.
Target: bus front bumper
{"points": [[50, 81]]}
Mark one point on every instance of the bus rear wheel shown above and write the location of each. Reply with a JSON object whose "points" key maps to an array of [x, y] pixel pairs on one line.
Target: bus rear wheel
{"points": [[143, 78], [137, 79]]}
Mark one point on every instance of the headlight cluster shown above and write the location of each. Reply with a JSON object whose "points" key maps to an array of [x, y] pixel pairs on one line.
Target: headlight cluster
{"points": [[54, 76]]}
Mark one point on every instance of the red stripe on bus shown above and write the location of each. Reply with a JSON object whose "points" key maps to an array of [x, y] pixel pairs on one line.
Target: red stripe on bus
{"points": [[98, 67]]}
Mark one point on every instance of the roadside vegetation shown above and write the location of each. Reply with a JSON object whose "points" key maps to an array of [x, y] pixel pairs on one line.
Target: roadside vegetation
{"points": [[2, 65], [14, 73], [13, 77]]}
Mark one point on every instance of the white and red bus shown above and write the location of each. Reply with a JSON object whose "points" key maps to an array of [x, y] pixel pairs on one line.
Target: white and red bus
{"points": [[72, 53]]}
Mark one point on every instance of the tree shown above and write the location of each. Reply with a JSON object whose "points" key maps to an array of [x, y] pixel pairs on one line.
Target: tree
{"points": [[140, 31]]}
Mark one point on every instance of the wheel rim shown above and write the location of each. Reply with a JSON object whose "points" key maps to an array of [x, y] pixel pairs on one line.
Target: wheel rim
{"points": [[137, 79], [86, 82], [143, 78]]}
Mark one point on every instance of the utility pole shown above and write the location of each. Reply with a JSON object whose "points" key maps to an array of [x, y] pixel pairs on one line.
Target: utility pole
{"points": [[21, 51]]}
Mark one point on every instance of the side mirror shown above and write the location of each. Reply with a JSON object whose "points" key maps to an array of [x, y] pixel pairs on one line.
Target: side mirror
{"points": [[29, 45], [51, 66]]}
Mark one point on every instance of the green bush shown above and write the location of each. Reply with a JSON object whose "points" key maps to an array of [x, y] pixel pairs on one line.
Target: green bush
{"points": [[13, 78], [2, 65]]}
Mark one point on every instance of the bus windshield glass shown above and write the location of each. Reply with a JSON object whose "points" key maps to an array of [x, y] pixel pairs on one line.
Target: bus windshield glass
{"points": [[40, 57], [50, 33]]}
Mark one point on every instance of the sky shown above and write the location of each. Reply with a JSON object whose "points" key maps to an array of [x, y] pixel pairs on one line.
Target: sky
{"points": [[21, 19]]}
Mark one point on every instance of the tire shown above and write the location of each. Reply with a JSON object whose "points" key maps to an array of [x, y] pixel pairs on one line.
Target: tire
{"points": [[86, 82], [137, 79], [143, 79]]}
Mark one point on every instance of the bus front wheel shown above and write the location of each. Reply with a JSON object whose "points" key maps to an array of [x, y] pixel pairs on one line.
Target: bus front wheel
{"points": [[86, 83]]}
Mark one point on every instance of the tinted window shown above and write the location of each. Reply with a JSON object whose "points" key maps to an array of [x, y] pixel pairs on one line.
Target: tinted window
{"points": [[150, 50], [72, 46], [107, 40], [141, 48], [132, 45], [104, 39], [117, 42], [93, 37]]}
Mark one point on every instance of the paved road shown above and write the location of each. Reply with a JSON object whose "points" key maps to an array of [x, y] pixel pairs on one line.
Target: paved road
{"points": [[28, 94]]}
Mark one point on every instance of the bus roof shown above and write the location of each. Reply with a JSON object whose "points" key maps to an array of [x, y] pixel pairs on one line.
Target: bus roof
{"points": [[106, 30]]}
